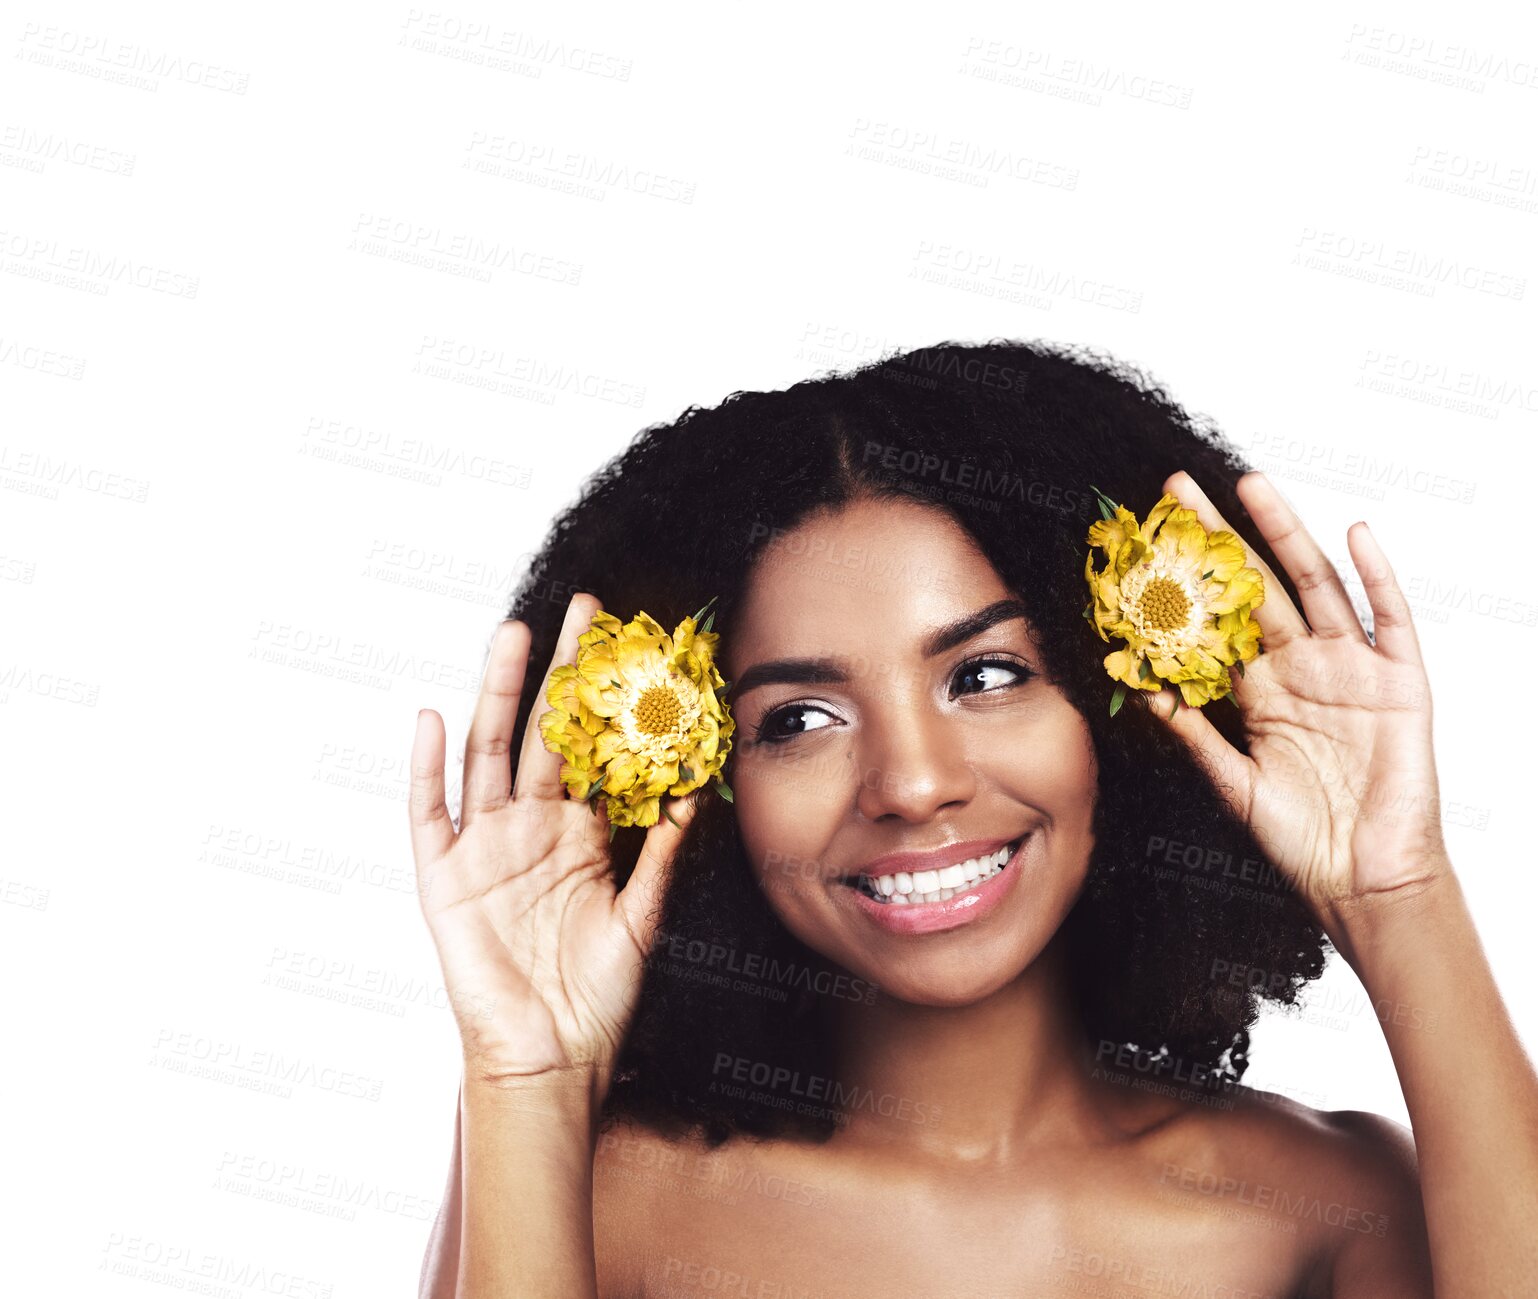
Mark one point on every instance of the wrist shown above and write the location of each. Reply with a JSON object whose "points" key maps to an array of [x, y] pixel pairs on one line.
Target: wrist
{"points": [[574, 1093], [1361, 924]]}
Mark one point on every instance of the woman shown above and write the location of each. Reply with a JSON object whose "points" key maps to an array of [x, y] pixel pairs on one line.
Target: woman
{"points": [[717, 1058]]}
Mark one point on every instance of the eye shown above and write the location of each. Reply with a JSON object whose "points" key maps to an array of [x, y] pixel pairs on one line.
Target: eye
{"points": [[778, 725], [984, 669]]}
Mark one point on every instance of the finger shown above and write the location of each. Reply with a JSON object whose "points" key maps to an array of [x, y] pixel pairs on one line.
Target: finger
{"points": [[1231, 771], [539, 770], [1393, 629], [640, 901], [1325, 603], [1279, 619], [432, 831], [488, 776]]}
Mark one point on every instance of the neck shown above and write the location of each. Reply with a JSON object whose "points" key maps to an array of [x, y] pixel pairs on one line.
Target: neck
{"points": [[976, 1083]]}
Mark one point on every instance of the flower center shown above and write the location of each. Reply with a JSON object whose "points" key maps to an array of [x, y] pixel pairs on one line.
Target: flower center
{"points": [[1164, 605], [657, 711]]}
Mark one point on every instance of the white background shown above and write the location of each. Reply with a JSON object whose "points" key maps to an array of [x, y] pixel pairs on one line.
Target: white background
{"points": [[250, 445]]}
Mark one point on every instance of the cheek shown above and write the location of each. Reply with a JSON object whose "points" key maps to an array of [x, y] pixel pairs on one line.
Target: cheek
{"points": [[788, 813], [1051, 768], [1054, 753], [1072, 782], [791, 800]]}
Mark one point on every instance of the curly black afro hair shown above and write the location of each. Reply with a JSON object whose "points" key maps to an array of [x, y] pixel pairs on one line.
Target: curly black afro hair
{"points": [[1180, 909]]}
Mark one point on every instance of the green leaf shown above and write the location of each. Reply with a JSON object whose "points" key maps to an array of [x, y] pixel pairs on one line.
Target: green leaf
{"points": [[613, 829], [723, 789], [1144, 670], [710, 621], [685, 772], [1179, 699], [1240, 666], [1107, 505], [669, 815], [703, 607], [1119, 694], [1208, 573]]}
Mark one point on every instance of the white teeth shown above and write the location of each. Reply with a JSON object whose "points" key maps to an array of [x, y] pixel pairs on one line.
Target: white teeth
{"points": [[935, 885]]}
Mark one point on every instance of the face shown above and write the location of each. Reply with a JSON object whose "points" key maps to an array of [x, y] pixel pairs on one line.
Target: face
{"points": [[892, 729]]}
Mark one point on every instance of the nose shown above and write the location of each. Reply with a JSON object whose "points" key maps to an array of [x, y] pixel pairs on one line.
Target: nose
{"points": [[912, 766]]}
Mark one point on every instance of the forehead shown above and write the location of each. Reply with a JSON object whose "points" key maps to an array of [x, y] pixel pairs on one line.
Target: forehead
{"points": [[872, 575]]}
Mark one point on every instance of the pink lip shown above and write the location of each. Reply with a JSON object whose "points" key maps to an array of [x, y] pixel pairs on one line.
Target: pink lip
{"points": [[927, 917]]}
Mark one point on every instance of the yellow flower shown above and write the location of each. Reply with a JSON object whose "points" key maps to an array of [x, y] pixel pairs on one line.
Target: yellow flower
{"points": [[639, 716], [1179, 596]]}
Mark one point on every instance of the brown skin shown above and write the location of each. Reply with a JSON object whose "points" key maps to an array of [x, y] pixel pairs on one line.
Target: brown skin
{"points": [[1140, 1202], [910, 753], [1010, 1169], [1005, 1137]]}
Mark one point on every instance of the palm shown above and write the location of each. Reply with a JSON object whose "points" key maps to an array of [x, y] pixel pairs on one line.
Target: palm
{"points": [[1339, 786], [543, 962], [1342, 779], [541, 955]]}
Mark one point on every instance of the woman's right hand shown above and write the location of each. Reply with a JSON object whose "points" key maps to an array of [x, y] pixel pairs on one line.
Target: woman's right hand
{"points": [[541, 955]]}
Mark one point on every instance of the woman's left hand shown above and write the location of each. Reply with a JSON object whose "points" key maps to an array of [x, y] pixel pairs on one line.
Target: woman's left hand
{"points": [[1340, 785]]}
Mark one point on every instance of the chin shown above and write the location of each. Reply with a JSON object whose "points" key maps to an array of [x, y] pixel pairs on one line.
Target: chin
{"points": [[962, 989], [947, 968], [960, 975]]}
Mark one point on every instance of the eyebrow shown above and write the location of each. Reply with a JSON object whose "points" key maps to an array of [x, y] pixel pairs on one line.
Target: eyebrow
{"points": [[831, 671]]}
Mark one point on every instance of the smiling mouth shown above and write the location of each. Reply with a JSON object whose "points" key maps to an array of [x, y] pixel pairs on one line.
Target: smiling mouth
{"points": [[905, 889]]}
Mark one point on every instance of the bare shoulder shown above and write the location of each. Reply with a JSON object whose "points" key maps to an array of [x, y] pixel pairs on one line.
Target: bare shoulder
{"points": [[628, 1158], [652, 1191], [1371, 1163], [664, 1200], [1345, 1181], [633, 1157], [1354, 1151]]}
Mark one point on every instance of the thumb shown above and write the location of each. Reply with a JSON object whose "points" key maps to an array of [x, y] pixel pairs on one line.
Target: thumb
{"points": [[1229, 769], [640, 901]]}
